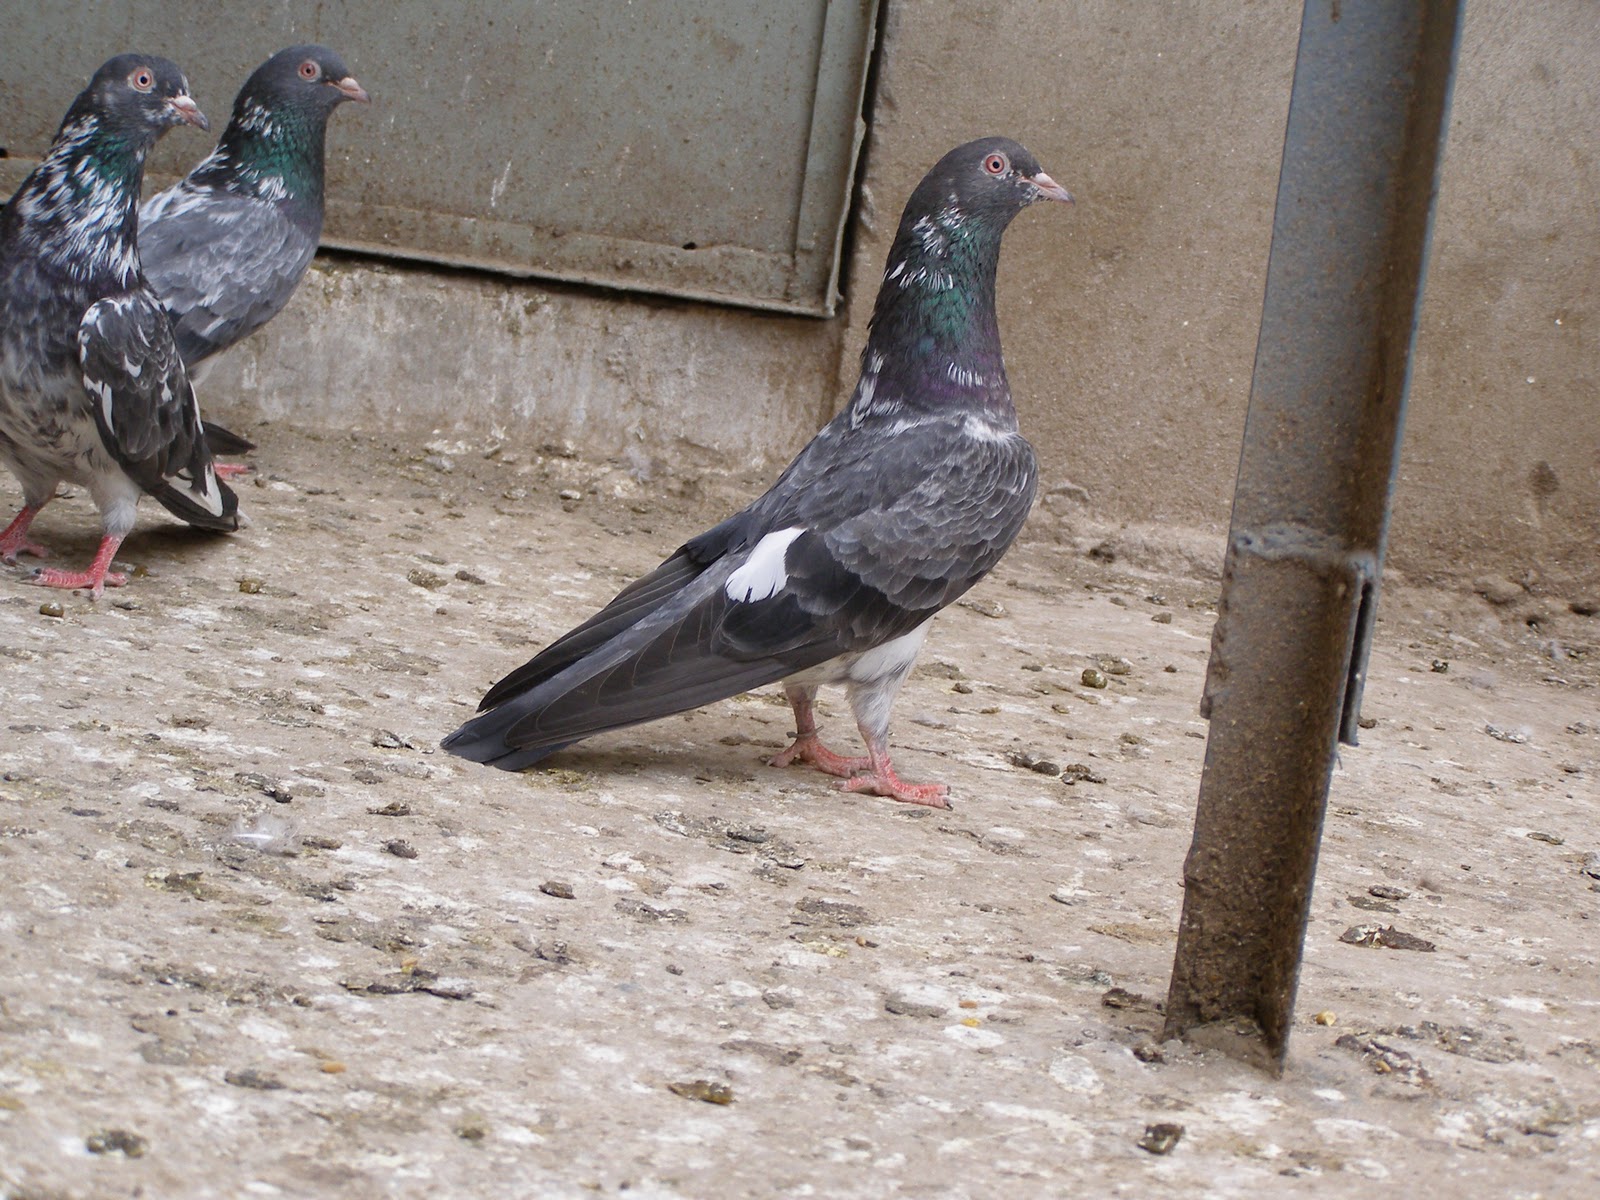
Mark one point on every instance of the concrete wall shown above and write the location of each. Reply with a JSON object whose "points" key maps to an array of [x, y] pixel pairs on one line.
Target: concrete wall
{"points": [[1129, 321]]}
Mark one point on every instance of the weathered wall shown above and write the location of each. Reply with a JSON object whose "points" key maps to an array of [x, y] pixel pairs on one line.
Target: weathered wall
{"points": [[1129, 321], [614, 375]]}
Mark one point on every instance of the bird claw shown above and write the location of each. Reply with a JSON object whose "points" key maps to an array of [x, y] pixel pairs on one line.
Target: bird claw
{"points": [[54, 577], [10, 549], [887, 783], [808, 748]]}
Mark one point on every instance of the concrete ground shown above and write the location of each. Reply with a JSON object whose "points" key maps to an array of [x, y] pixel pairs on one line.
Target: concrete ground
{"points": [[261, 938]]}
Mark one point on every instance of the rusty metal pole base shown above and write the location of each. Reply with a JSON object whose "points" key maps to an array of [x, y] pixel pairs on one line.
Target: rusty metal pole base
{"points": [[1250, 869], [1310, 512]]}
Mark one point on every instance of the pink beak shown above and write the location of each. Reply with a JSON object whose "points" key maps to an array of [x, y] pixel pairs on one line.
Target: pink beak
{"points": [[188, 111], [351, 89], [1049, 189]]}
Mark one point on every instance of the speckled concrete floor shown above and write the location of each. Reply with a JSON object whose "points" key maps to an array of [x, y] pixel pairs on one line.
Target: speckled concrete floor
{"points": [[261, 938]]}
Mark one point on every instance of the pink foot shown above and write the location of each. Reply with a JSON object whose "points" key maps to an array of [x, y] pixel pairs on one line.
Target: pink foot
{"points": [[884, 782], [231, 470], [14, 538], [97, 578], [808, 748]]}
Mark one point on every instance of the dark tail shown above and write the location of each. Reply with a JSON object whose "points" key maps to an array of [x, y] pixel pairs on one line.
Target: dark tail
{"points": [[225, 441]]}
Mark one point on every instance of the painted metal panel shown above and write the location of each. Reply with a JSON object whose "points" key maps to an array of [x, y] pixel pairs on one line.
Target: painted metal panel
{"points": [[700, 148]]}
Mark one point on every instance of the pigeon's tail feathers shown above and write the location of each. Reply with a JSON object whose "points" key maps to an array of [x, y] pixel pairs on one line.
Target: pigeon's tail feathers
{"points": [[482, 740], [631, 605], [225, 441], [211, 504], [531, 727], [675, 658]]}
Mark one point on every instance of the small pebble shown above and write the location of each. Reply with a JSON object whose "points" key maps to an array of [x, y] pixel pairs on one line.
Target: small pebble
{"points": [[395, 808], [252, 1078], [1439, 666], [570, 494], [1114, 665], [1093, 678], [116, 1141], [1385, 891], [984, 608], [1516, 737], [1080, 773], [710, 1091], [1160, 1139], [250, 587], [561, 891], [1326, 1017], [426, 579], [467, 576], [51, 608], [400, 848], [1553, 839], [1162, 618]]}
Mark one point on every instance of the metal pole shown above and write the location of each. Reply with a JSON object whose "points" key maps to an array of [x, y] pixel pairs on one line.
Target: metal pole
{"points": [[1321, 442]]}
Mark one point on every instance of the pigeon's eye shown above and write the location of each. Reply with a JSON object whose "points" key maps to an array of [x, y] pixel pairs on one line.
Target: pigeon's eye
{"points": [[142, 80], [996, 163], [309, 70]]}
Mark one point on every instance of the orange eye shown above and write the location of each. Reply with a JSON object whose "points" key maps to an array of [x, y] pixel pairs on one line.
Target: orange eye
{"points": [[310, 70], [996, 164], [142, 80]]}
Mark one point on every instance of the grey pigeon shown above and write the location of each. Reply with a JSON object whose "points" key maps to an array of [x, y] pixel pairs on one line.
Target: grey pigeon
{"points": [[92, 389], [900, 504], [226, 246]]}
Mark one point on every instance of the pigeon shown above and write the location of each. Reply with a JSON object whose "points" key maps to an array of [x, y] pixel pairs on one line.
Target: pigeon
{"points": [[226, 246], [902, 502], [92, 389]]}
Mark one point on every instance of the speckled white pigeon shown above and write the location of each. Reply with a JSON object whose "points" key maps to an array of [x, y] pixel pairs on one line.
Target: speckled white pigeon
{"points": [[227, 245], [92, 390], [900, 504]]}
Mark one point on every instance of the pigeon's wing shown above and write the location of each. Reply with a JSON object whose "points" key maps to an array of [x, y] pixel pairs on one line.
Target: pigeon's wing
{"points": [[223, 265], [146, 411], [792, 598], [890, 535]]}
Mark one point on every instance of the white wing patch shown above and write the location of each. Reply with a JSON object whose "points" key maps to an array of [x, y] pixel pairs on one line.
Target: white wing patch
{"points": [[763, 575]]}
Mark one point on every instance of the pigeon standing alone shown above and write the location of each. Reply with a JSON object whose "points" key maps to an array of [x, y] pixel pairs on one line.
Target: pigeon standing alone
{"points": [[92, 389], [900, 504], [227, 245]]}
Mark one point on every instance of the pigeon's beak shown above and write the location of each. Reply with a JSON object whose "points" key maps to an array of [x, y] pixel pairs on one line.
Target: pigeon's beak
{"points": [[188, 111], [350, 89], [1049, 189]]}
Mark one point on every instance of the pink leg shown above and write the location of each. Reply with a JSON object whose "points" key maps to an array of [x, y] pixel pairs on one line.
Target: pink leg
{"points": [[14, 538], [882, 781], [807, 746], [97, 578], [231, 470]]}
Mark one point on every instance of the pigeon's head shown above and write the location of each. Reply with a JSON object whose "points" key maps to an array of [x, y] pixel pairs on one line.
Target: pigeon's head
{"points": [[989, 180], [311, 79], [138, 97]]}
